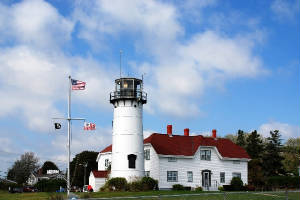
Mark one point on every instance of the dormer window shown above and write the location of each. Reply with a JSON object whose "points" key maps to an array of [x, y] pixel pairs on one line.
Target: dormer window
{"points": [[205, 154]]}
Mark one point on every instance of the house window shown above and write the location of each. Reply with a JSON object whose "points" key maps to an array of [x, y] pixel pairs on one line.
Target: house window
{"points": [[172, 176], [222, 177], [147, 154], [236, 174], [147, 173], [190, 176], [205, 154], [106, 163], [236, 162], [131, 161], [172, 159]]}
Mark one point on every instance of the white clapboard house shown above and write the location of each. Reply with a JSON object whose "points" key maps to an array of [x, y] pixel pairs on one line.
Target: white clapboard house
{"points": [[192, 161]]}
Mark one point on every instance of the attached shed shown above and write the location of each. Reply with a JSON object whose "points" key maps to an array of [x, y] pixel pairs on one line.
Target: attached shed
{"points": [[97, 179]]}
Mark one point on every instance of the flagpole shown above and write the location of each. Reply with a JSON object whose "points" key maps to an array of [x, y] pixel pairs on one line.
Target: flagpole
{"points": [[69, 133]]}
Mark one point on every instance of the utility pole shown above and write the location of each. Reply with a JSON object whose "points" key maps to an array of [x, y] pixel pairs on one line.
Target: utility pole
{"points": [[84, 175]]}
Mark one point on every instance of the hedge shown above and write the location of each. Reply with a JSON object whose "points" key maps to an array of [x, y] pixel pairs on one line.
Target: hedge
{"points": [[50, 185], [283, 182]]}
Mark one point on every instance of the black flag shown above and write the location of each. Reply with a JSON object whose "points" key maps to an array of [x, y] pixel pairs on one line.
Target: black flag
{"points": [[57, 125]]}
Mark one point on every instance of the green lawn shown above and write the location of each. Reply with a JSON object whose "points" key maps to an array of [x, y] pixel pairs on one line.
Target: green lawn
{"points": [[4, 195], [204, 195]]}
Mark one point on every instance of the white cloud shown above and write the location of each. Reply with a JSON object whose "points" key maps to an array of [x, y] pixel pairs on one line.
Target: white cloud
{"points": [[36, 23], [180, 72], [207, 59], [285, 9], [286, 130], [31, 82], [153, 20], [34, 69]]}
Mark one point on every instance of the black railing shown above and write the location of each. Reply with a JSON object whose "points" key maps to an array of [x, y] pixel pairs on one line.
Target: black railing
{"points": [[128, 94]]}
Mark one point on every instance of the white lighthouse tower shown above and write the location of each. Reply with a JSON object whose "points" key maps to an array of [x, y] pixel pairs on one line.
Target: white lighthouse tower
{"points": [[127, 142]]}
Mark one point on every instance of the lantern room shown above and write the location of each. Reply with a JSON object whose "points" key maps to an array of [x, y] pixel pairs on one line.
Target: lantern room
{"points": [[128, 89]]}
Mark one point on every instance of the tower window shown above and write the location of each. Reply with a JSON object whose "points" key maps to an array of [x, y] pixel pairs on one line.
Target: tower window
{"points": [[131, 161]]}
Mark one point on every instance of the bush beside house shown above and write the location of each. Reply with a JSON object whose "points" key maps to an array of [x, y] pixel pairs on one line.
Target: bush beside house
{"points": [[120, 184]]}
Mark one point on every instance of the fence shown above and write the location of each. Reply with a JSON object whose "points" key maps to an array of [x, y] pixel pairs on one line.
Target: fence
{"points": [[280, 195]]}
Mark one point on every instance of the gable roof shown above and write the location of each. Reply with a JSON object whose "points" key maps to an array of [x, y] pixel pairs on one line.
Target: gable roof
{"points": [[100, 174], [107, 149], [188, 145]]}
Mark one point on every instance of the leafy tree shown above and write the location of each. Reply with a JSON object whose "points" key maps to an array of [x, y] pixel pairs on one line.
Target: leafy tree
{"points": [[21, 169], [48, 165], [77, 167], [291, 154], [254, 145], [231, 137], [241, 139], [255, 173], [272, 160]]}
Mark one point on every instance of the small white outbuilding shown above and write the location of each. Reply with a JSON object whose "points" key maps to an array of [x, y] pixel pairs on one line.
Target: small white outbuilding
{"points": [[97, 179]]}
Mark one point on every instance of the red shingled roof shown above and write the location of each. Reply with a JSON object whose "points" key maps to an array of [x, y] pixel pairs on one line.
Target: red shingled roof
{"points": [[188, 145], [100, 174], [107, 149]]}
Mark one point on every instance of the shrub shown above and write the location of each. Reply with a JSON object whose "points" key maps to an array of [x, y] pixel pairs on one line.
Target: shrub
{"points": [[117, 183], [187, 188], [249, 188], [50, 185], [135, 186], [177, 187], [220, 188], [5, 186], [236, 184], [283, 182], [227, 187], [149, 183], [198, 189]]}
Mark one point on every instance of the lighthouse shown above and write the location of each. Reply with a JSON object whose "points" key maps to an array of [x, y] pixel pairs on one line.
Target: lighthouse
{"points": [[127, 138]]}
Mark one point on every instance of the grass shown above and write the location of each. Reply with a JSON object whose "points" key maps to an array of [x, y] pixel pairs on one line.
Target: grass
{"points": [[198, 195], [4, 195]]}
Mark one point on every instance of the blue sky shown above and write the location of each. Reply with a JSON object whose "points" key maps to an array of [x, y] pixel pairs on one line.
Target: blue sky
{"points": [[207, 64]]}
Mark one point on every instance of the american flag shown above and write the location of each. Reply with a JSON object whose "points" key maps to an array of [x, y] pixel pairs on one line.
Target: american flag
{"points": [[77, 85], [89, 126]]}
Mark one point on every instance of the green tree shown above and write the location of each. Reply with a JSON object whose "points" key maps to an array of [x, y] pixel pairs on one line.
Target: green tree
{"points": [[291, 155], [77, 167], [255, 173], [254, 145], [48, 165], [272, 158], [21, 169], [241, 139], [231, 137]]}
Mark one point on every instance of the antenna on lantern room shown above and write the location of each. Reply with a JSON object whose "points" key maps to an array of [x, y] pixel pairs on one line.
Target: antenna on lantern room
{"points": [[121, 63]]}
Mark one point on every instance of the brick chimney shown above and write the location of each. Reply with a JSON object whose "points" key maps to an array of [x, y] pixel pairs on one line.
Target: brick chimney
{"points": [[214, 133], [169, 130], [186, 132]]}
